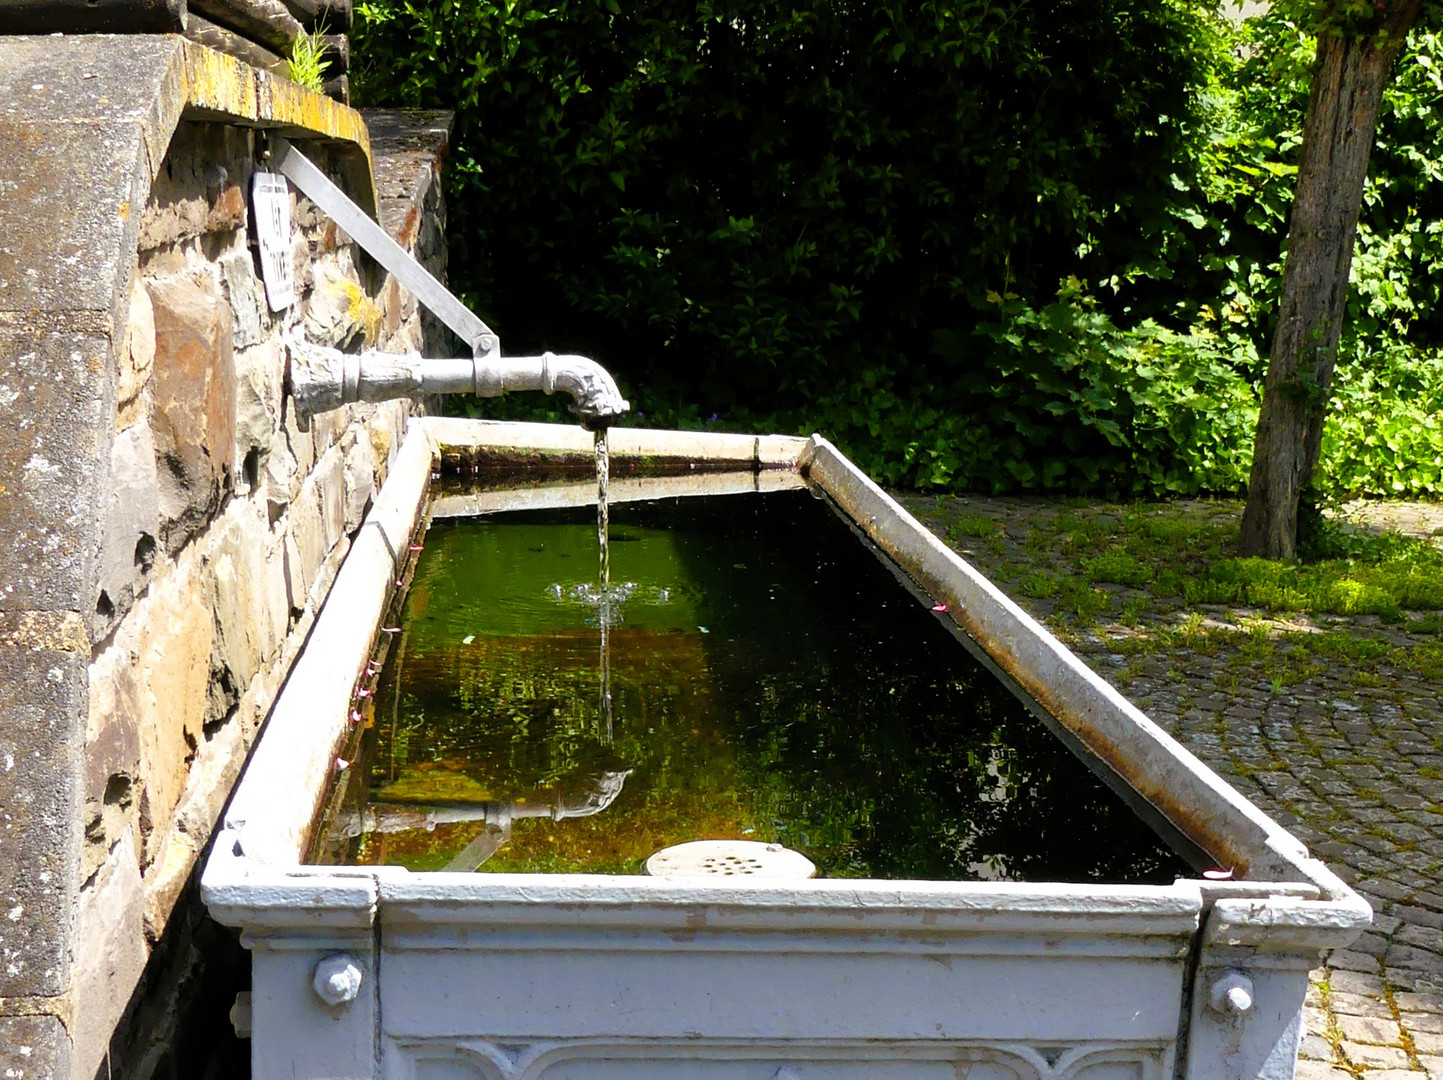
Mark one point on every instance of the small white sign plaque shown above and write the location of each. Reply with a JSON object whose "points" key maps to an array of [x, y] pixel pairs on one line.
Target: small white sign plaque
{"points": [[271, 205]]}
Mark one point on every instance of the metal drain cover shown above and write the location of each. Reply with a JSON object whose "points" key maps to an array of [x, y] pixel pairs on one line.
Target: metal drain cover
{"points": [[730, 858]]}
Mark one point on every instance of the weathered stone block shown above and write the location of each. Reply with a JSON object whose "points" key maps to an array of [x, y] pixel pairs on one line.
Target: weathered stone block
{"points": [[33, 1048], [203, 188], [360, 478], [42, 667], [300, 251], [129, 538], [392, 314], [296, 585], [137, 358], [250, 316], [328, 429], [1374, 1057], [382, 431], [409, 337], [110, 952], [113, 783], [338, 311], [166, 878], [194, 401], [252, 610], [280, 479], [54, 457], [260, 371], [302, 444], [307, 532], [1373, 1030], [158, 670], [331, 486]]}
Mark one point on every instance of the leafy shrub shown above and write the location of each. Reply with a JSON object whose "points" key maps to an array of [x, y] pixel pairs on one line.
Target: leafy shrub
{"points": [[855, 218], [771, 210], [1385, 431]]}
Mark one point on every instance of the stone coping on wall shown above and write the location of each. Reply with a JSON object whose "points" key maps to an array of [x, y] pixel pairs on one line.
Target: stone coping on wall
{"points": [[410, 145]]}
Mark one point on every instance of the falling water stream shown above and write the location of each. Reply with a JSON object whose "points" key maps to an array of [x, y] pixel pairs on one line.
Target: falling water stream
{"points": [[603, 513], [603, 537]]}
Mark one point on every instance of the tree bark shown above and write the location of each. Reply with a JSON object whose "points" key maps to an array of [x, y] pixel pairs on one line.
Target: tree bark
{"points": [[1349, 78], [92, 16], [204, 32], [266, 22]]}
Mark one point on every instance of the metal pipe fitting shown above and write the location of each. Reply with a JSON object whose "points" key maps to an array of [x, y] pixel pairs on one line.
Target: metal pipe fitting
{"points": [[322, 379], [596, 399]]}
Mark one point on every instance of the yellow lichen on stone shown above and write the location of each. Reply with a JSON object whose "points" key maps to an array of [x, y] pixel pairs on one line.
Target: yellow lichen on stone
{"points": [[362, 311], [219, 84], [339, 313]]}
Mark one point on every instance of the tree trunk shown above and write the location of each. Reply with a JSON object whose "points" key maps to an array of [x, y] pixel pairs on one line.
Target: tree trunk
{"points": [[1348, 81]]}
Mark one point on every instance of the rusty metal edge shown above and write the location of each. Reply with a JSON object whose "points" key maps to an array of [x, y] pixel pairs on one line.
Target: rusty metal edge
{"points": [[1194, 798], [1231, 828]]}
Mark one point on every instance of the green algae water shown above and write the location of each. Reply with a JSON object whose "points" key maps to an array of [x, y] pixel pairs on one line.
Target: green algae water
{"points": [[751, 671]]}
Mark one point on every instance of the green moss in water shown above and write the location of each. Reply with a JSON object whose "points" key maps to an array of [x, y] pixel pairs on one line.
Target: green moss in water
{"points": [[770, 680]]}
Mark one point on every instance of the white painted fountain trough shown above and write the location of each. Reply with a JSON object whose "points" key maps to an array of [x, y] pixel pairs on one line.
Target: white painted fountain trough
{"points": [[379, 972]]}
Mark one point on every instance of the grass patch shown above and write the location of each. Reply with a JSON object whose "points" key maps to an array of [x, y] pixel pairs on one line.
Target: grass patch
{"points": [[1189, 555], [1178, 562], [978, 525], [307, 65], [1332, 587], [1118, 568]]}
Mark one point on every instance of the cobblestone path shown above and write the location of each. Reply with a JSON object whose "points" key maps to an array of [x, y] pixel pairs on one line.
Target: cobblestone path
{"points": [[1350, 760]]}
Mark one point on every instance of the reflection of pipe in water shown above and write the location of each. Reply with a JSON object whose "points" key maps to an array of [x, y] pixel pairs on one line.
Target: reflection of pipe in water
{"points": [[393, 817], [496, 818], [396, 698]]}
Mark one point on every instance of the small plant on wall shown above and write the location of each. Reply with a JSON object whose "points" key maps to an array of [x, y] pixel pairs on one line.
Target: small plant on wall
{"points": [[307, 65]]}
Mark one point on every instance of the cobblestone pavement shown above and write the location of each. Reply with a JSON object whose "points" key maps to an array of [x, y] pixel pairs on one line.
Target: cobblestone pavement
{"points": [[1350, 760]]}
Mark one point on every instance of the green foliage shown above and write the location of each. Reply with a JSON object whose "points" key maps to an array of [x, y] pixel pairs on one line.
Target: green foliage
{"points": [[1385, 435], [308, 65], [1015, 246]]}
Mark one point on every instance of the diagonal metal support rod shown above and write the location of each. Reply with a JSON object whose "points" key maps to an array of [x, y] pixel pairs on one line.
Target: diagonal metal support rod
{"points": [[374, 240]]}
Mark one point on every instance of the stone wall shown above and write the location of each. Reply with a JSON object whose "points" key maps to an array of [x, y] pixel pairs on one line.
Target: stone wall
{"points": [[219, 520], [226, 522]]}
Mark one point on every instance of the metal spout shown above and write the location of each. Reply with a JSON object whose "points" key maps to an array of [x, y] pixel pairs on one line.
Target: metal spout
{"points": [[596, 399], [323, 378]]}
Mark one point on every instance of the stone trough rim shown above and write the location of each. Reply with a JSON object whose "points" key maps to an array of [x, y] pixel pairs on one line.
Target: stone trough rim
{"points": [[254, 876]]}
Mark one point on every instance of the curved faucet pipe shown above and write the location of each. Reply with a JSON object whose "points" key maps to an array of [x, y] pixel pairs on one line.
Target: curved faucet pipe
{"points": [[323, 378]]}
